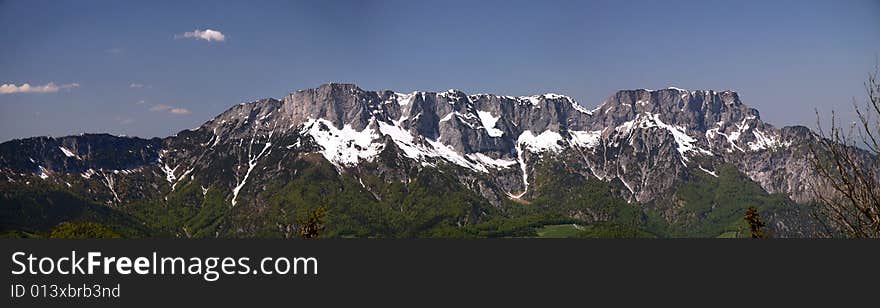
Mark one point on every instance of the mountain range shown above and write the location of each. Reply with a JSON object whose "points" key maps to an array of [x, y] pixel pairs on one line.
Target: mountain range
{"points": [[644, 163]]}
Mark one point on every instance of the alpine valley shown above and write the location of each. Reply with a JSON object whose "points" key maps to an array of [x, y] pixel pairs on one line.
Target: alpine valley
{"points": [[644, 163]]}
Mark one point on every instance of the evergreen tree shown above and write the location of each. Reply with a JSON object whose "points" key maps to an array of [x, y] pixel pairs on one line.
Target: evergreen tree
{"points": [[314, 225], [755, 223]]}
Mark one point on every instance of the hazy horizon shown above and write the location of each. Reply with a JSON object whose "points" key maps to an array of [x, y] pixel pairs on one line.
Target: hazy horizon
{"points": [[153, 69]]}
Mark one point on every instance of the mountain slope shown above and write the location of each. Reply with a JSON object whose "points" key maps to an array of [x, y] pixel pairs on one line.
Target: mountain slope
{"points": [[440, 164]]}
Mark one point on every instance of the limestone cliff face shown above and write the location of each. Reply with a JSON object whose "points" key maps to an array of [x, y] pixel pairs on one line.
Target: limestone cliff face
{"points": [[648, 141], [715, 127]]}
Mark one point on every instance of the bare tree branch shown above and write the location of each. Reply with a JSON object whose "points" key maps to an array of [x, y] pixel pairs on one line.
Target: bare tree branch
{"points": [[846, 161]]}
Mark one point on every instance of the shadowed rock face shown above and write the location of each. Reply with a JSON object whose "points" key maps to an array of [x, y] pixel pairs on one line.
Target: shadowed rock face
{"points": [[77, 154], [649, 141]]}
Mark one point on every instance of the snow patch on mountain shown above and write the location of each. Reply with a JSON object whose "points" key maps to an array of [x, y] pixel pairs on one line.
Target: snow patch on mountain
{"points": [[685, 142], [489, 122], [344, 146], [404, 99], [110, 182], [545, 141], [712, 173], [448, 117], [88, 173], [68, 153], [587, 139], [252, 162], [492, 162], [169, 172], [449, 154], [347, 147], [524, 169], [42, 172], [765, 141]]}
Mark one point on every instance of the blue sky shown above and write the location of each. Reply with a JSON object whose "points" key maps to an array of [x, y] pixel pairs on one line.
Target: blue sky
{"points": [[129, 68]]}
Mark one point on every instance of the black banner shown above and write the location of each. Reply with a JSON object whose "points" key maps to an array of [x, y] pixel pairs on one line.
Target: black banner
{"points": [[446, 272]]}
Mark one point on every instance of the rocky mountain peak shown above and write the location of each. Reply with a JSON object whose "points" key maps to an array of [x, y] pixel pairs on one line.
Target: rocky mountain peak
{"points": [[643, 143], [628, 134]]}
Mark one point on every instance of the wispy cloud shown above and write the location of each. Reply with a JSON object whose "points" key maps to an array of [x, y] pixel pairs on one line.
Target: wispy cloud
{"points": [[169, 109], [160, 108], [115, 50], [135, 85], [207, 35], [180, 111], [124, 120], [10, 88]]}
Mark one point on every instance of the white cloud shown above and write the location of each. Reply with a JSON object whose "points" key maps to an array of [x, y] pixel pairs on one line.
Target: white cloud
{"points": [[160, 108], [115, 50], [136, 85], [207, 34], [10, 88], [169, 109], [180, 111]]}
